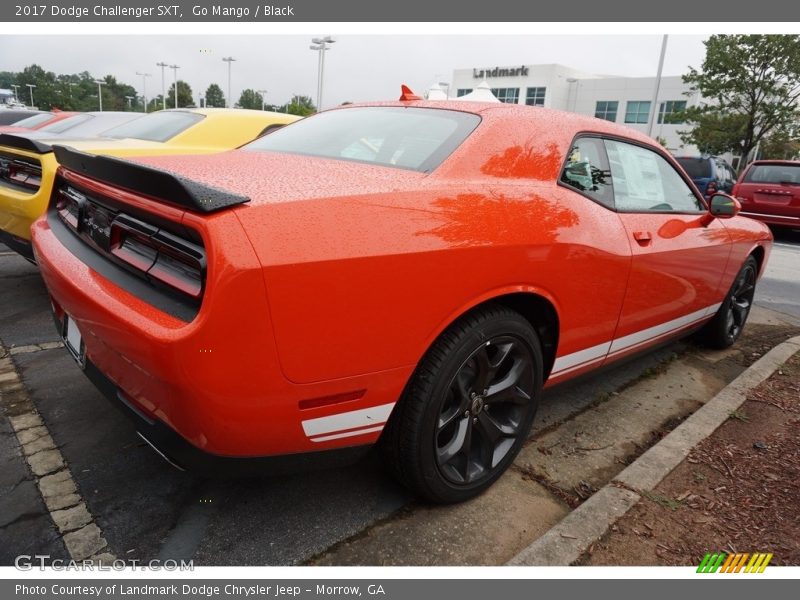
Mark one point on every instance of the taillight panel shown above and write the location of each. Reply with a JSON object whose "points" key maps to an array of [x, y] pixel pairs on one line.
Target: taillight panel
{"points": [[161, 257], [22, 173]]}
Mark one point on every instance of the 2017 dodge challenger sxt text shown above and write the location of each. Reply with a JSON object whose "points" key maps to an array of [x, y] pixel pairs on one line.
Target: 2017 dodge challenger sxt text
{"points": [[409, 272]]}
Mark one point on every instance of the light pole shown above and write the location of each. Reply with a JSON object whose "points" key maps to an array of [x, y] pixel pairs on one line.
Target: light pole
{"points": [[163, 66], [654, 110], [30, 87], [229, 60], [175, 70], [321, 46], [100, 83], [263, 98], [129, 98], [144, 77], [16, 92]]}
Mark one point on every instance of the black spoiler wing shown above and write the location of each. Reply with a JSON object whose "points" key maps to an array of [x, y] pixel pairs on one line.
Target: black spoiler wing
{"points": [[23, 143], [170, 188]]}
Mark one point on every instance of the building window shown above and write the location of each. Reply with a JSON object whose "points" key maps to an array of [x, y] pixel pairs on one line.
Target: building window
{"points": [[607, 110], [463, 92], [637, 111], [668, 111], [535, 96], [507, 95]]}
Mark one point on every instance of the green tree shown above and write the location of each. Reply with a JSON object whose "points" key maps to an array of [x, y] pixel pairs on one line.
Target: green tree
{"points": [[185, 97], [251, 99], [214, 96], [752, 83], [299, 105]]}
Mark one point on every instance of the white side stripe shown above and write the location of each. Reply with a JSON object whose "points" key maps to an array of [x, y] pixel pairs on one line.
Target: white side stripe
{"points": [[336, 436], [653, 332], [375, 415], [570, 362], [580, 357]]}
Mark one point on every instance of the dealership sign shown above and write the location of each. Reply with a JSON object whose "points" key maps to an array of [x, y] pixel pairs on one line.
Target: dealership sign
{"points": [[500, 72]]}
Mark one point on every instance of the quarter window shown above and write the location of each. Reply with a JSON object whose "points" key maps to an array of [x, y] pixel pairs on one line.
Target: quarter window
{"points": [[645, 182], [507, 95], [637, 111], [607, 110], [535, 96], [587, 170]]}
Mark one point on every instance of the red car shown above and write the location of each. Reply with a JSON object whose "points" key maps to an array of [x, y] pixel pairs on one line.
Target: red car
{"points": [[37, 121], [410, 273], [769, 190]]}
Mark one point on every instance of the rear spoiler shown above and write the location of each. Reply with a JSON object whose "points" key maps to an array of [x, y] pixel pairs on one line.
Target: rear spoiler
{"points": [[161, 185], [23, 143]]}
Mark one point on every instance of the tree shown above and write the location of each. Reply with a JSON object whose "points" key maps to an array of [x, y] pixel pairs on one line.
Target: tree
{"points": [[753, 85], [185, 97], [214, 97], [251, 99], [299, 105]]}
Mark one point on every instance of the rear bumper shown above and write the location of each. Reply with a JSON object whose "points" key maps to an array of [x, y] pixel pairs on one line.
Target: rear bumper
{"points": [[185, 456]]}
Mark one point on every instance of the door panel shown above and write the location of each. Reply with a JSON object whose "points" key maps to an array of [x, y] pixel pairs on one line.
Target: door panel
{"points": [[677, 262]]}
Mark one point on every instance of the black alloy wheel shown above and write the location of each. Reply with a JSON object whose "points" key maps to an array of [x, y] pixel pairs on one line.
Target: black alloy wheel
{"points": [[725, 328], [483, 409], [468, 408]]}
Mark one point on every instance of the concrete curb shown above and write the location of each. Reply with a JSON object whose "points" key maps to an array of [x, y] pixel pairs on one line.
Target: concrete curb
{"points": [[565, 542]]}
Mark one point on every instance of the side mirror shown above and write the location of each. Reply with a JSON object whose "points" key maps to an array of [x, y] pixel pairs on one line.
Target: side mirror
{"points": [[724, 206]]}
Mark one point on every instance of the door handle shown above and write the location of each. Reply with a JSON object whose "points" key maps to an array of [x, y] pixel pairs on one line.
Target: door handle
{"points": [[643, 237]]}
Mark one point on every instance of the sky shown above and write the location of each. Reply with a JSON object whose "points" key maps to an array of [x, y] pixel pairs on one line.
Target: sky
{"points": [[357, 67]]}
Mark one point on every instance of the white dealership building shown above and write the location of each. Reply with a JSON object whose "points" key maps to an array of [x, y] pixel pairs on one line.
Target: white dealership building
{"points": [[624, 100]]}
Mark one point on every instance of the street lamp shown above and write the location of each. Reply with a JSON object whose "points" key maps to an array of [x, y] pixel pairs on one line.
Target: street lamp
{"points": [[175, 70], [144, 77], [263, 98], [163, 66], [99, 83], [321, 46], [129, 98], [16, 92], [30, 87], [229, 60]]}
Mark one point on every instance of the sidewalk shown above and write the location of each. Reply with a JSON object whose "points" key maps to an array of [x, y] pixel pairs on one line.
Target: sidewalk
{"points": [[703, 487]]}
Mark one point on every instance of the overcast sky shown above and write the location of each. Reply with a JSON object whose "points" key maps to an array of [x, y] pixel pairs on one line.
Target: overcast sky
{"points": [[358, 67]]}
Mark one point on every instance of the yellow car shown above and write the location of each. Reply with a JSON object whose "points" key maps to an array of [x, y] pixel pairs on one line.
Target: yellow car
{"points": [[28, 165]]}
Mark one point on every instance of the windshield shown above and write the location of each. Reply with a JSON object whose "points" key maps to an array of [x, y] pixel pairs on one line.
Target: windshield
{"points": [[418, 139], [34, 120], [774, 174], [156, 127], [695, 167]]}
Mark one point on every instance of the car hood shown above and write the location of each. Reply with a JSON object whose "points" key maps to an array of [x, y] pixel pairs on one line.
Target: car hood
{"points": [[271, 177]]}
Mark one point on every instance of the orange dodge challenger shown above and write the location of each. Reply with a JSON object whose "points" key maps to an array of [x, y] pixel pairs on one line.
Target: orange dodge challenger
{"points": [[410, 273]]}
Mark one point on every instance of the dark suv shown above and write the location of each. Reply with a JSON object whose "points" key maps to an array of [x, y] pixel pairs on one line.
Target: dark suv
{"points": [[709, 173]]}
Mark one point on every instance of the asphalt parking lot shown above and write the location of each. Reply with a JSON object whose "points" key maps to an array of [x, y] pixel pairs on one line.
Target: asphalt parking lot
{"points": [[147, 509]]}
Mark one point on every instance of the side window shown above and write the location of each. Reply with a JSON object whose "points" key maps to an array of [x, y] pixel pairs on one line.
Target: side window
{"points": [[586, 170], [645, 182]]}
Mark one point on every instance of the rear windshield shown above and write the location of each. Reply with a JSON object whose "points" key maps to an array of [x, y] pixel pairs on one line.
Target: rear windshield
{"points": [[156, 127], [9, 117], [787, 174], [34, 120], [64, 124], [417, 139], [695, 167]]}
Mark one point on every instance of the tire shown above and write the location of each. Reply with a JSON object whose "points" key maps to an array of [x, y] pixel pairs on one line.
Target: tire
{"points": [[468, 408], [726, 326]]}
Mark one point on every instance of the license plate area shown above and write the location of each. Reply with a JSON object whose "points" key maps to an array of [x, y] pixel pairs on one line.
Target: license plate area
{"points": [[73, 340]]}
